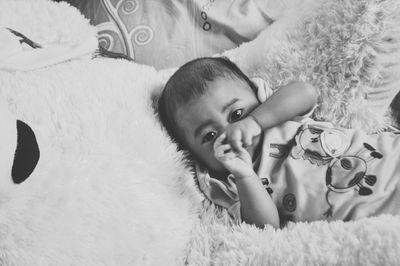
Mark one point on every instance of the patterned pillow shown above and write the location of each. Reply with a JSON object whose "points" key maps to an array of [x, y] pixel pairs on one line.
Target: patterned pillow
{"points": [[168, 33]]}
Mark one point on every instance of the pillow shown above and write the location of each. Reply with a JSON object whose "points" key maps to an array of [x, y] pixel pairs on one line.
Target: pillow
{"points": [[167, 34]]}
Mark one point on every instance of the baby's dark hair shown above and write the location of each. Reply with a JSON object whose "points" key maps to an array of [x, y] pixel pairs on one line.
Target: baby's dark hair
{"points": [[189, 82]]}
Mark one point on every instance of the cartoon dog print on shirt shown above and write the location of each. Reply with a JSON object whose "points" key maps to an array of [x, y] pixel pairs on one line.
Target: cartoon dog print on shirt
{"points": [[345, 172]]}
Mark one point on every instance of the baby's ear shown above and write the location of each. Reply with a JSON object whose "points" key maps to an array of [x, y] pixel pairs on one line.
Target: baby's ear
{"points": [[26, 154]]}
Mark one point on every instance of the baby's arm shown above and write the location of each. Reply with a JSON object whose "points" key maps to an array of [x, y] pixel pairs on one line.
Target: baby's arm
{"points": [[256, 205], [287, 102]]}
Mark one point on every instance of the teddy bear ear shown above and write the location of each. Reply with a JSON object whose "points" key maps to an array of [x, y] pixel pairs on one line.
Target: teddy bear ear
{"points": [[26, 154]]}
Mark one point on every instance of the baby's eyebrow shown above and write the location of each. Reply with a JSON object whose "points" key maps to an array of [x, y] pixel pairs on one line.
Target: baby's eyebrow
{"points": [[226, 106], [205, 124]]}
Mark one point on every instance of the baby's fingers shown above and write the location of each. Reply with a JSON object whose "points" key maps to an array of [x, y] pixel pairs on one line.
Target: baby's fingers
{"points": [[243, 154], [235, 139], [247, 140], [218, 141], [220, 148], [222, 151]]}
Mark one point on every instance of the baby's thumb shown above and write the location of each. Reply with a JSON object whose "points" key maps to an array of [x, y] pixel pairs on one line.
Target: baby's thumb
{"points": [[247, 140]]}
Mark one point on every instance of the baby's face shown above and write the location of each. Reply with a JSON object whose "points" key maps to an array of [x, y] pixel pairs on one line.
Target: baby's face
{"points": [[202, 120]]}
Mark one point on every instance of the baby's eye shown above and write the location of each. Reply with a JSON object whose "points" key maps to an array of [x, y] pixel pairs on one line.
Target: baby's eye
{"points": [[209, 137], [236, 115]]}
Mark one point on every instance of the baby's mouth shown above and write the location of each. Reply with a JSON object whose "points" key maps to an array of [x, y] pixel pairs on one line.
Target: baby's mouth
{"points": [[26, 154]]}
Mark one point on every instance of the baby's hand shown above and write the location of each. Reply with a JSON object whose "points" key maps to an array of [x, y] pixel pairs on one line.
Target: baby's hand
{"points": [[241, 133], [237, 162]]}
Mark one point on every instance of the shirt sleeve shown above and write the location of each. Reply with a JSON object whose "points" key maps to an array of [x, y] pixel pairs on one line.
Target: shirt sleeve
{"points": [[264, 91], [221, 193]]}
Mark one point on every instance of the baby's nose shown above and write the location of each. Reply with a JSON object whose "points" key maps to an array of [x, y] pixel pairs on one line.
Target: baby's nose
{"points": [[222, 128]]}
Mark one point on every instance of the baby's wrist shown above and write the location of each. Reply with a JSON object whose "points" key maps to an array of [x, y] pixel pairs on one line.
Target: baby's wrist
{"points": [[245, 176]]}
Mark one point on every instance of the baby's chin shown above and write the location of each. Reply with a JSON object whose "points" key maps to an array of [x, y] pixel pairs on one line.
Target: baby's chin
{"points": [[218, 173]]}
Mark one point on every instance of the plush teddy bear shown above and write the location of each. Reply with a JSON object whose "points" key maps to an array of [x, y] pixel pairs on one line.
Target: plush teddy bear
{"points": [[18, 52]]}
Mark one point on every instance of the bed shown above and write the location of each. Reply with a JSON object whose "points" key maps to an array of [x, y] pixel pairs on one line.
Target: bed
{"points": [[110, 187]]}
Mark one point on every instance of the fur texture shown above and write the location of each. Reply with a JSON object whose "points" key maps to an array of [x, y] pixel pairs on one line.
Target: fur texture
{"points": [[111, 189], [370, 241], [349, 49]]}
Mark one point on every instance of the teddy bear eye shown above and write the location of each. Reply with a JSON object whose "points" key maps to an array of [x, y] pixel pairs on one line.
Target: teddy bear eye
{"points": [[26, 155]]}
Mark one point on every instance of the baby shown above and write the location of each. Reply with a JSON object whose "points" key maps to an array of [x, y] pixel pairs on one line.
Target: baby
{"points": [[260, 156]]}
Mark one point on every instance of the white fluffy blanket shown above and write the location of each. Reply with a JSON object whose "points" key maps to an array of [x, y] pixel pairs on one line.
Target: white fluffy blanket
{"points": [[111, 189], [349, 49]]}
